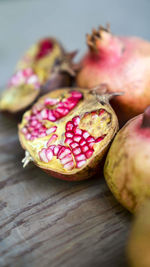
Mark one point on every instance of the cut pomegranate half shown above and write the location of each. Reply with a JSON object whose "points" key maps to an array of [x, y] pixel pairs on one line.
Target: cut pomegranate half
{"points": [[67, 132]]}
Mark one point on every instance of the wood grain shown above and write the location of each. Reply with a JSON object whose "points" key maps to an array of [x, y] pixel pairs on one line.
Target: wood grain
{"points": [[48, 222]]}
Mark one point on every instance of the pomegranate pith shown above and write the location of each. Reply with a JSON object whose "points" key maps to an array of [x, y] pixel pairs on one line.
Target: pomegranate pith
{"points": [[123, 64], [127, 164], [68, 145], [44, 67]]}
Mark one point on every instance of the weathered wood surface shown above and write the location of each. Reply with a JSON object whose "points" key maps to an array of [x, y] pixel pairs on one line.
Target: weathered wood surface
{"points": [[47, 222]]}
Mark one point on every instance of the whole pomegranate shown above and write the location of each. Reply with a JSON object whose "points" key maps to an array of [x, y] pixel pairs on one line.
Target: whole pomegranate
{"points": [[139, 240], [127, 166], [45, 66], [67, 132], [123, 64]]}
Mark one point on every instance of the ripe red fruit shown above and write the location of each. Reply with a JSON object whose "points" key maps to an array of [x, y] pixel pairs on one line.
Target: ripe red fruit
{"points": [[44, 67], [121, 63], [67, 132], [127, 164]]}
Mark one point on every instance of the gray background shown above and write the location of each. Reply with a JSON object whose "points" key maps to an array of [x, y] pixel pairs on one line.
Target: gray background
{"points": [[22, 22]]}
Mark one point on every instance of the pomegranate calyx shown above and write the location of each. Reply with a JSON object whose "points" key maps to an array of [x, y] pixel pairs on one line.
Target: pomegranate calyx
{"points": [[102, 93], [26, 159], [146, 118]]}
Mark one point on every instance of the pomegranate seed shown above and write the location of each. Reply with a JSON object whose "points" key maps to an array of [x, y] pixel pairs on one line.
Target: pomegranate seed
{"points": [[69, 126], [38, 116], [24, 130], [101, 112], [38, 125], [77, 138], [52, 139], [52, 147], [42, 155], [82, 142], [51, 130], [84, 148], [63, 111], [85, 134], [69, 165], [89, 153], [80, 157], [76, 94], [80, 163], [30, 128], [76, 151], [63, 152], [70, 104], [90, 145], [51, 116], [90, 139], [77, 131], [28, 136], [99, 139], [51, 101], [69, 134], [56, 114], [49, 154], [73, 145], [56, 150], [42, 135], [44, 114], [76, 120], [45, 47], [66, 159], [33, 123], [35, 134], [68, 141]]}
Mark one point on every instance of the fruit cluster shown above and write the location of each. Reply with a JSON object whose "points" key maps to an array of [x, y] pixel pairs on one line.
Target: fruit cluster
{"points": [[68, 131]]}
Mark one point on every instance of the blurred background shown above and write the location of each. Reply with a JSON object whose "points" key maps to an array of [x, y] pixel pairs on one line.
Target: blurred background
{"points": [[23, 22]]}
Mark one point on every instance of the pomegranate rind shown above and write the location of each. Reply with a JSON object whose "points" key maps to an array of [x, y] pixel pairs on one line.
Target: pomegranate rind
{"points": [[84, 107], [126, 168]]}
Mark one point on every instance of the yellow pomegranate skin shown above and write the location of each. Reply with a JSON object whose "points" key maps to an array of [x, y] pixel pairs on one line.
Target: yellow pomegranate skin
{"points": [[126, 169], [138, 246]]}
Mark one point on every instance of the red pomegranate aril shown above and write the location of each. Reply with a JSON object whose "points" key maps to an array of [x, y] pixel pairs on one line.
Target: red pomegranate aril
{"points": [[76, 120], [90, 139], [77, 131], [84, 148], [63, 111], [51, 101], [52, 139], [76, 94], [33, 123], [49, 154], [76, 151], [68, 141], [73, 145], [82, 142], [85, 134], [42, 135], [51, 130], [51, 116], [69, 126], [24, 130], [28, 136], [44, 48], [99, 139], [90, 145], [69, 134], [69, 166], [56, 114], [80, 157], [80, 163], [89, 153], [77, 138], [42, 155], [44, 114], [66, 159], [63, 152]]}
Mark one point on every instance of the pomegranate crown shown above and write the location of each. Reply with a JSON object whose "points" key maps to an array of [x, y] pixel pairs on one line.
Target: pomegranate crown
{"points": [[91, 39]]}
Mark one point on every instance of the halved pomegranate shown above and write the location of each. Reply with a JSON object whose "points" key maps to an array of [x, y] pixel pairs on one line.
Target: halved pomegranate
{"points": [[67, 132], [45, 66]]}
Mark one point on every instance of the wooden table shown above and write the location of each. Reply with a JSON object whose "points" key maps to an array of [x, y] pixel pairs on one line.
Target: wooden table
{"points": [[48, 222]]}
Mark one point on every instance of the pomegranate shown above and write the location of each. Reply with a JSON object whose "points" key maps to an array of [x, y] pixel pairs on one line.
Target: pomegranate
{"points": [[67, 132], [139, 240], [123, 64], [44, 67], [127, 164]]}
